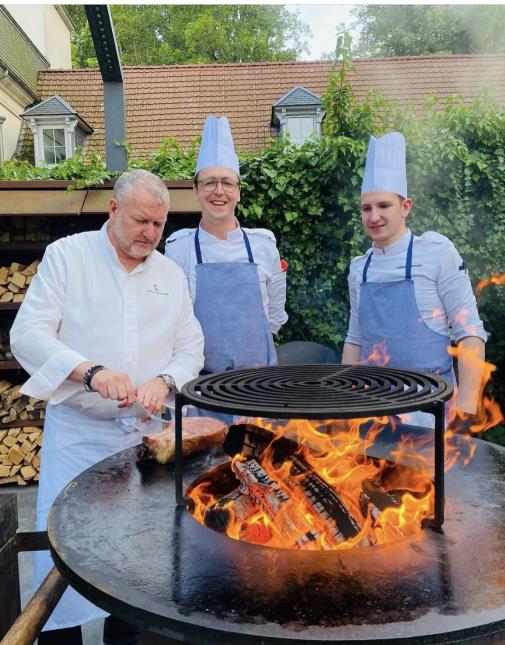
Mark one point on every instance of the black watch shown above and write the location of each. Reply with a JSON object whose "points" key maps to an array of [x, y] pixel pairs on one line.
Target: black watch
{"points": [[169, 382]]}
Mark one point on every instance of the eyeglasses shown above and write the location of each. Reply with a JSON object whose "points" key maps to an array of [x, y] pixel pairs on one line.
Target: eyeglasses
{"points": [[209, 185]]}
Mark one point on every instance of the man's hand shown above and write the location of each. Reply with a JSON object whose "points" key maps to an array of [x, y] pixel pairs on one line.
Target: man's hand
{"points": [[114, 385], [152, 394]]}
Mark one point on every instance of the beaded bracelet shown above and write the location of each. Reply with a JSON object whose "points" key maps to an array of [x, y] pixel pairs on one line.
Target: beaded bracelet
{"points": [[88, 375]]}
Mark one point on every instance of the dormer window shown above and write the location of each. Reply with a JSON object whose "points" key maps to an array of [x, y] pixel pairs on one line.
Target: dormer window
{"points": [[299, 114], [54, 148], [57, 131]]}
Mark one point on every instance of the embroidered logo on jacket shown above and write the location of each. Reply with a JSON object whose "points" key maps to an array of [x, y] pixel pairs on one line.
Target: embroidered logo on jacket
{"points": [[157, 291]]}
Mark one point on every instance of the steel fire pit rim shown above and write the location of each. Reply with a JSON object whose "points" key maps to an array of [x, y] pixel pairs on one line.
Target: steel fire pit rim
{"points": [[221, 391], [475, 621]]}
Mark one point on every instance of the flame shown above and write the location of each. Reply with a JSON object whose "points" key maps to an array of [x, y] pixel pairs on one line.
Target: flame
{"points": [[339, 460], [379, 354], [384, 498], [497, 280], [488, 413]]}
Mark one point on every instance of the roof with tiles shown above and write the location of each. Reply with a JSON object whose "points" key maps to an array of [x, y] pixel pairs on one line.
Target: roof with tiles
{"points": [[173, 101], [298, 96]]}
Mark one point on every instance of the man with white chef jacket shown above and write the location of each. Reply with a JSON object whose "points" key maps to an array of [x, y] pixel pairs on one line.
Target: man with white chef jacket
{"points": [[107, 322], [410, 294], [235, 277]]}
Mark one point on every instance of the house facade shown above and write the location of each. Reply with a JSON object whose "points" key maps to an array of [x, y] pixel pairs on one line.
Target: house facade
{"points": [[33, 39]]}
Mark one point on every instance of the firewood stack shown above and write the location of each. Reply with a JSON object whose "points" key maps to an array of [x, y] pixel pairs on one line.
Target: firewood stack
{"points": [[19, 454], [15, 280], [19, 444], [15, 406]]}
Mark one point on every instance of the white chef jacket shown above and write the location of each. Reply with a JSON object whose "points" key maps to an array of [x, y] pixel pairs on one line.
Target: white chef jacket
{"points": [[180, 247], [83, 305], [442, 287]]}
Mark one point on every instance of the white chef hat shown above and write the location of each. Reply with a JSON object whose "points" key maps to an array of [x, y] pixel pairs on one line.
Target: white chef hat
{"points": [[385, 167], [217, 147]]}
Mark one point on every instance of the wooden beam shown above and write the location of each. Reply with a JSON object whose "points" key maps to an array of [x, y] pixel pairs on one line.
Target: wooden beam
{"points": [[34, 616]]}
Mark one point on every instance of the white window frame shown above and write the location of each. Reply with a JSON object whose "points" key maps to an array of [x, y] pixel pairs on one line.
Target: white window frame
{"points": [[299, 140], [41, 123], [286, 113]]}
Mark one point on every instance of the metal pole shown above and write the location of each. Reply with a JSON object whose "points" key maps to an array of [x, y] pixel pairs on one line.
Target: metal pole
{"points": [[178, 450], [439, 464], [104, 40]]}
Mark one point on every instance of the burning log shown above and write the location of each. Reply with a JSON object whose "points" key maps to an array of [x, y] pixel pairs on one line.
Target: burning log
{"points": [[236, 507], [270, 497], [283, 494]]}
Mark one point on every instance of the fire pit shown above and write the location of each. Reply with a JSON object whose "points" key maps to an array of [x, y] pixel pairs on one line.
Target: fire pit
{"points": [[119, 538], [123, 538], [321, 392]]}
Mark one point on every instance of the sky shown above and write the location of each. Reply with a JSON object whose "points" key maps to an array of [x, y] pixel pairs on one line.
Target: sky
{"points": [[323, 20]]}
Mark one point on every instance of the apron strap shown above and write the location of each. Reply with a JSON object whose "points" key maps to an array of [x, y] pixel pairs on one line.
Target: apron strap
{"points": [[198, 250], [408, 262], [367, 264], [197, 246], [248, 247]]}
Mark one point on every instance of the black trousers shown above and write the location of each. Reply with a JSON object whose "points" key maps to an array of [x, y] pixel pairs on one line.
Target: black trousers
{"points": [[115, 632]]}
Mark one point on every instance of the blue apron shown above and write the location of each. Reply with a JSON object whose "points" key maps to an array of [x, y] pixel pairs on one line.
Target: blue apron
{"points": [[388, 313], [229, 307]]}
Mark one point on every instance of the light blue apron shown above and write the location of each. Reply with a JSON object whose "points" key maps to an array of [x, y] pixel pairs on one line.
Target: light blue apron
{"points": [[388, 313], [229, 307]]}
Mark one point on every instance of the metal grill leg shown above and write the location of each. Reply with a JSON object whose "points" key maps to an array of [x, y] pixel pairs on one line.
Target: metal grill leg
{"points": [[436, 522], [179, 497]]}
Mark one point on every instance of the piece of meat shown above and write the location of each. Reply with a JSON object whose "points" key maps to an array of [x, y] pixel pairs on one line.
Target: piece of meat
{"points": [[198, 433]]}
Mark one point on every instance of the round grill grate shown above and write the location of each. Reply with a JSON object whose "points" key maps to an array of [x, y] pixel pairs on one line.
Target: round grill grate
{"points": [[317, 391]]}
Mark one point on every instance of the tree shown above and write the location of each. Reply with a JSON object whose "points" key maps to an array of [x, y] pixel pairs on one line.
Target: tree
{"points": [[176, 34], [416, 30]]}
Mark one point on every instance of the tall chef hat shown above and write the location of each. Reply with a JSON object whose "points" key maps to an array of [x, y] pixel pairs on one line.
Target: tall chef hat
{"points": [[217, 147], [385, 167]]}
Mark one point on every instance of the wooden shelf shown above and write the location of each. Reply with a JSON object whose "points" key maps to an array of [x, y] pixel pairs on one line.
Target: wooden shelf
{"points": [[24, 246], [9, 365], [19, 423]]}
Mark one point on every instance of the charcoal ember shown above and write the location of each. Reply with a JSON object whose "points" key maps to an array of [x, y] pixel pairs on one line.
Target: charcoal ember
{"points": [[256, 532], [235, 506]]}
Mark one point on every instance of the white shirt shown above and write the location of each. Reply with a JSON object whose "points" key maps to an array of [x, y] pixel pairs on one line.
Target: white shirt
{"points": [[442, 287], [180, 248], [84, 306]]}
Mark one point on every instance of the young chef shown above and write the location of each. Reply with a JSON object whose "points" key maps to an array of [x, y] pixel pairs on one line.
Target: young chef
{"points": [[106, 320], [234, 274], [409, 294]]}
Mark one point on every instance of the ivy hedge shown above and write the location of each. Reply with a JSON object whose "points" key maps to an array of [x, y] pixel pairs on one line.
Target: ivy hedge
{"points": [[309, 197]]}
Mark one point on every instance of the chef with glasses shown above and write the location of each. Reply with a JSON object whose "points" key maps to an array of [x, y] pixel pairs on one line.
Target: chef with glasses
{"points": [[234, 274]]}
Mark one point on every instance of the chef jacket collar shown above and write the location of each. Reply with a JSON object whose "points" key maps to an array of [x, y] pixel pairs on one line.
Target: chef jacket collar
{"points": [[112, 253], [231, 236], [396, 247]]}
